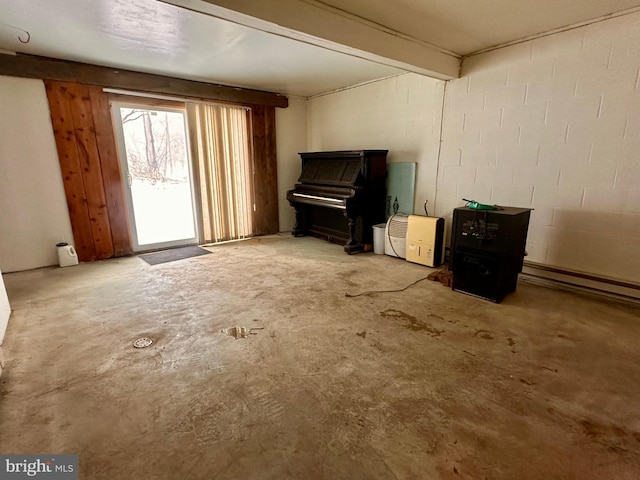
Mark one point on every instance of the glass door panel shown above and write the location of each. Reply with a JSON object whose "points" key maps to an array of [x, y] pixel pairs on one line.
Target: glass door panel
{"points": [[155, 160]]}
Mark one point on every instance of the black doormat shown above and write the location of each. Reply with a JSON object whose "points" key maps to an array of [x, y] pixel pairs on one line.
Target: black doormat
{"points": [[172, 255]]}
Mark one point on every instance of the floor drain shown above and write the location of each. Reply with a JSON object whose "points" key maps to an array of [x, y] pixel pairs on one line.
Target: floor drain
{"points": [[142, 342]]}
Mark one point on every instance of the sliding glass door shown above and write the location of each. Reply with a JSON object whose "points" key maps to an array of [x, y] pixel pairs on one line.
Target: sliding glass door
{"points": [[154, 153]]}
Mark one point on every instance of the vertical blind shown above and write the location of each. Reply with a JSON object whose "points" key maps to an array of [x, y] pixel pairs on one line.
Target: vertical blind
{"points": [[219, 136]]}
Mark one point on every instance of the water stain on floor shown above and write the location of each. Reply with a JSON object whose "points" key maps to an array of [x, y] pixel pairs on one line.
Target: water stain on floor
{"points": [[614, 437], [413, 323], [346, 276], [486, 334]]}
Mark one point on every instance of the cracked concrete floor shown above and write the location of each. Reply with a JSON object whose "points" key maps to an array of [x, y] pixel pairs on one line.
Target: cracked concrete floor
{"points": [[427, 383]]}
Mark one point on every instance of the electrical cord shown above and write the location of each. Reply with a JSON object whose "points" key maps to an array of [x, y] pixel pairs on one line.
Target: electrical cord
{"points": [[350, 295], [353, 295]]}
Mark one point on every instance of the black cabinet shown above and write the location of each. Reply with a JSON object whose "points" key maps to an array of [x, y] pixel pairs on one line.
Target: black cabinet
{"points": [[487, 250]]}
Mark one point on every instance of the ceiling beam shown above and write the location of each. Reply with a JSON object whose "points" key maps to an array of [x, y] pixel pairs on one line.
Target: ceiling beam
{"points": [[319, 24], [31, 66]]}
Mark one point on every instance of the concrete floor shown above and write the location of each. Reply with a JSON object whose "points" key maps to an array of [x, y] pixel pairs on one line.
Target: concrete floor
{"points": [[423, 384]]}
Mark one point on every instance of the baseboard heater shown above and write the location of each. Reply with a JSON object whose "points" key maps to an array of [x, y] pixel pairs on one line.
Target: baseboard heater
{"points": [[573, 280]]}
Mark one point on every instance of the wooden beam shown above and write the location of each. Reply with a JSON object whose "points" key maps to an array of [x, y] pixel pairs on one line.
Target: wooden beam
{"points": [[318, 23], [31, 66]]}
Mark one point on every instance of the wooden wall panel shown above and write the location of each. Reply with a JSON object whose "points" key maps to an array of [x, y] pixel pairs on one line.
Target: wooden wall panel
{"points": [[87, 151], [91, 170], [263, 123], [111, 172], [64, 132]]}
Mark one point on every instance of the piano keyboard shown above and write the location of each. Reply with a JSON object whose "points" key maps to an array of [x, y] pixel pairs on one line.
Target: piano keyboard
{"points": [[333, 202]]}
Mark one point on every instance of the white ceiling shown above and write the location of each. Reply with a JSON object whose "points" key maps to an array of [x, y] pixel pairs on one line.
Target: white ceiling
{"points": [[467, 26], [153, 37], [156, 37]]}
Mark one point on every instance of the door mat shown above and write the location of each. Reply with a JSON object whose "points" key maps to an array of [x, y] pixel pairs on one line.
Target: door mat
{"points": [[172, 255]]}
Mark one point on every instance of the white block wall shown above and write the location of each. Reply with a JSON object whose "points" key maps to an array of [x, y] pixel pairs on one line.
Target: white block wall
{"points": [[291, 138], [554, 124], [33, 208], [401, 114]]}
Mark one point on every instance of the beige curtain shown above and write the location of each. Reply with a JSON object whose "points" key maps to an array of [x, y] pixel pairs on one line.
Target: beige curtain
{"points": [[219, 138]]}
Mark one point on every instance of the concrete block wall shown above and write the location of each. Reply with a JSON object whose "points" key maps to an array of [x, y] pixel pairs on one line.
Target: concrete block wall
{"points": [[401, 114], [554, 124]]}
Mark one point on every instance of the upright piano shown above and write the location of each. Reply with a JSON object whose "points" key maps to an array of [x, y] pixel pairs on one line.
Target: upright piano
{"points": [[340, 196]]}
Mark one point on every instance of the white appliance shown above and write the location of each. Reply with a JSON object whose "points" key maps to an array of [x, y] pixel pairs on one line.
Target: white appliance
{"points": [[425, 240], [395, 236]]}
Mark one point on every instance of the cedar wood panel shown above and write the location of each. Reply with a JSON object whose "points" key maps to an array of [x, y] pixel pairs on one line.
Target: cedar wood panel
{"points": [[111, 172], [90, 170], [64, 132]]}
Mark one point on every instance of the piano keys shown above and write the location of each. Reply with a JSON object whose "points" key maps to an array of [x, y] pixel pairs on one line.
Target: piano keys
{"points": [[340, 196]]}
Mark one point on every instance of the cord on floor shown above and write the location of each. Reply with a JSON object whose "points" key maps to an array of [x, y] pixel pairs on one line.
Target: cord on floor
{"points": [[352, 295]]}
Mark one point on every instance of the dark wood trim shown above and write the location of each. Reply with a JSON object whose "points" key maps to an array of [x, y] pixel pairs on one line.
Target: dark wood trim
{"points": [[32, 66], [263, 132]]}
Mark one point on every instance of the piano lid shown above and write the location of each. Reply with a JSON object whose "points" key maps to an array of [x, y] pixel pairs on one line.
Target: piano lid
{"points": [[330, 171], [344, 168]]}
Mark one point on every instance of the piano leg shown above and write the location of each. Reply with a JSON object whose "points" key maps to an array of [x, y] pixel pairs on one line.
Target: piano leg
{"points": [[300, 227], [352, 246]]}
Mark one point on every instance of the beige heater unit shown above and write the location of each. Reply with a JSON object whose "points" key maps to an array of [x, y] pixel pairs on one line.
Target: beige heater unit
{"points": [[425, 240]]}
